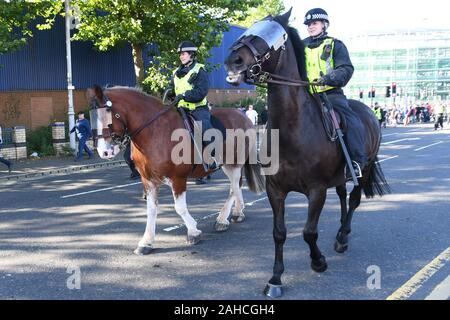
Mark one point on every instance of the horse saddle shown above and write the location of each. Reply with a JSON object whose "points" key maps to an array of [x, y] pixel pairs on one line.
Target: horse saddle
{"points": [[215, 123], [328, 113]]}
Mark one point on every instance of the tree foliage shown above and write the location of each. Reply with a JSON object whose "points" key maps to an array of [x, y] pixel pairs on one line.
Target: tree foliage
{"points": [[18, 17], [268, 7], [163, 23]]}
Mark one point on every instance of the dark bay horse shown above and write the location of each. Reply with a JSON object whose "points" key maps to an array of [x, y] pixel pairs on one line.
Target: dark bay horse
{"points": [[309, 162], [121, 111]]}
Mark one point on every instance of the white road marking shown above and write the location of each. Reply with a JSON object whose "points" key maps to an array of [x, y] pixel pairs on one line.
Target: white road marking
{"points": [[249, 204], [390, 134], [399, 140], [441, 292], [413, 284], [99, 190], [418, 149], [382, 160]]}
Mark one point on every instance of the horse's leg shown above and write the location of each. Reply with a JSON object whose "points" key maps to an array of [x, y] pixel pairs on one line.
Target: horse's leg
{"points": [[316, 200], [341, 242], [222, 223], [277, 202], [238, 209], [145, 245], [355, 200], [179, 196]]}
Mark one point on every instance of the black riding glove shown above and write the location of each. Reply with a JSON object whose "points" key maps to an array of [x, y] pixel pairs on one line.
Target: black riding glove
{"points": [[322, 81], [178, 98]]}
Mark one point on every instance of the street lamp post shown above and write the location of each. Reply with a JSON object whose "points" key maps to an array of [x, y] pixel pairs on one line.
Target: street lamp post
{"points": [[70, 86]]}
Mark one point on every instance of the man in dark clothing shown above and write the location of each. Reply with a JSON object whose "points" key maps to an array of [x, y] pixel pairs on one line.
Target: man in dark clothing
{"points": [[127, 156], [84, 132], [189, 87], [328, 63]]}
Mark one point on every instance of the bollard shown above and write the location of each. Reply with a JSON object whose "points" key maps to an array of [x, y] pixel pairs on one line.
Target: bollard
{"points": [[59, 137], [20, 141]]}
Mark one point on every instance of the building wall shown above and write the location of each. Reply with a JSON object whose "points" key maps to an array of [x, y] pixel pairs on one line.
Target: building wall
{"points": [[33, 80], [417, 61]]}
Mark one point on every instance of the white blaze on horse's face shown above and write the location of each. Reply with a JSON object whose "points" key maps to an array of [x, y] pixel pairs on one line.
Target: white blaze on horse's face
{"points": [[106, 150], [101, 119]]}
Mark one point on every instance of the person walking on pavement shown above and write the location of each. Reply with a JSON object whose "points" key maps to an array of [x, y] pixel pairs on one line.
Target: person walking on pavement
{"points": [[84, 132], [252, 115], [328, 64], [3, 160]]}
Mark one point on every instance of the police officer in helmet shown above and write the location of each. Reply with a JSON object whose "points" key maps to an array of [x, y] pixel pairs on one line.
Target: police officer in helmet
{"points": [[328, 63], [190, 86]]}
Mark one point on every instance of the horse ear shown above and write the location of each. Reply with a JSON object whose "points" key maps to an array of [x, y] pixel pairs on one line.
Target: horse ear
{"points": [[285, 17], [98, 92]]}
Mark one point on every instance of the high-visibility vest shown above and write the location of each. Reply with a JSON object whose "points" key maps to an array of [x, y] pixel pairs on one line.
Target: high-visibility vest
{"points": [[182, 85], [315, 64], [378, 113]]}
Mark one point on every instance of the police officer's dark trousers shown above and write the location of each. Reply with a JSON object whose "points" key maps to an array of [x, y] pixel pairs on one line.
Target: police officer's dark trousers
{"points": [[127, 158], [354, 137], [202, 114]]}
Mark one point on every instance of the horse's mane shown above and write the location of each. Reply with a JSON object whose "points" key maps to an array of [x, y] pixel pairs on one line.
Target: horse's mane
{"points": [[299, 49], [134, 89]]}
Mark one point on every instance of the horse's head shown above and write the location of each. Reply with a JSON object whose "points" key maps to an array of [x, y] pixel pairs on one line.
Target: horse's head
{"points": [[109, 130], [257, 49]]}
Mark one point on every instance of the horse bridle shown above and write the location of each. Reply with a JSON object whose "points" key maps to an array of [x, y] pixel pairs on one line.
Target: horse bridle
{"points": [[123, 140], [255, 75]]}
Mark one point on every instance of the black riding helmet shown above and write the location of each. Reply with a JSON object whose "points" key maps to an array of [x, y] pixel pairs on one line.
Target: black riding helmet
{"points": [[316, 14], [187, 46]]}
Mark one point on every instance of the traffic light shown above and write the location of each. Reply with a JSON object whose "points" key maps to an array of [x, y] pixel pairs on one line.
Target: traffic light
{"points": [[394, 88], [373, 92], [361, 94], [370, 94], [388, 91]]}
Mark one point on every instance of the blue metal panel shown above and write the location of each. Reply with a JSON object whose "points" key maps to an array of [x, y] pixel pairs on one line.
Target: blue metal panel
{"points": [[218, 55], [41, 65]]}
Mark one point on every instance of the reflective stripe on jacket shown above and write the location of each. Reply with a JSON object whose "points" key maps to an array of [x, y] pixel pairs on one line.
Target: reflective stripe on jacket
{"points": [[319, 61], [182, 85]]}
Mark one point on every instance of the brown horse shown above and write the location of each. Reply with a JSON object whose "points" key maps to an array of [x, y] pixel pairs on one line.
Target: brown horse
{"points": [[309, 163], [122, 112]]}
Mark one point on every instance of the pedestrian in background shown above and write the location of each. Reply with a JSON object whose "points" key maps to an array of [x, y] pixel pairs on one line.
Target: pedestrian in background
{"points": [[252, 115], [127, 156], [3, 160], [84, 132]]}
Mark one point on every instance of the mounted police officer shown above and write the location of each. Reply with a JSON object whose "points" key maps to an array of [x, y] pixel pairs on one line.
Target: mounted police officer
{"points": [[190, 86], [328, 63]]}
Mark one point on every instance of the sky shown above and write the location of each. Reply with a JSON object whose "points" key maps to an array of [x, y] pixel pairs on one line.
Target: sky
{"points": [[352, 17]]}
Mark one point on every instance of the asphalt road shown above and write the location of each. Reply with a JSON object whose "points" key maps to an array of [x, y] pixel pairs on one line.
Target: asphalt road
{"points": [[51, 231]]}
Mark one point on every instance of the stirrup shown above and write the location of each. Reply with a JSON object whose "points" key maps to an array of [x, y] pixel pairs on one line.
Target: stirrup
{"points": [[356, 168]]}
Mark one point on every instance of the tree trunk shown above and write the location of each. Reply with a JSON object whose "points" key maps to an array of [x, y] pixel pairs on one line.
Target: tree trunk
{"points": [[138, 63]]}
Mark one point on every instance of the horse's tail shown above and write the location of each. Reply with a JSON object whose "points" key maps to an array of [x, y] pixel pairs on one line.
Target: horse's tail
{"points": [[255, 180], [376, 183]]}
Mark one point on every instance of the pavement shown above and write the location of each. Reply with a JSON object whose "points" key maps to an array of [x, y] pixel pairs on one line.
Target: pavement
{"points": [[31, 168]]}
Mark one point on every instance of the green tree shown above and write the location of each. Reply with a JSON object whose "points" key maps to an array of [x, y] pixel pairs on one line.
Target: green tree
{"points": [[164, 23], [268, 7], [17, 18]]}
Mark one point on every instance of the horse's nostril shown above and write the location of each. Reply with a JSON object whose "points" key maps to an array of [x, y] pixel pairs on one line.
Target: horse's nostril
{"points": [[105, 153]]}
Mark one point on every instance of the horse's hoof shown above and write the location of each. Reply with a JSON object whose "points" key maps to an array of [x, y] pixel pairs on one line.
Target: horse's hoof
{"points": [[273, 291], [319, 265], [192, 240], [238, 219], [221, 227], [142, 251], [339, 247]]}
